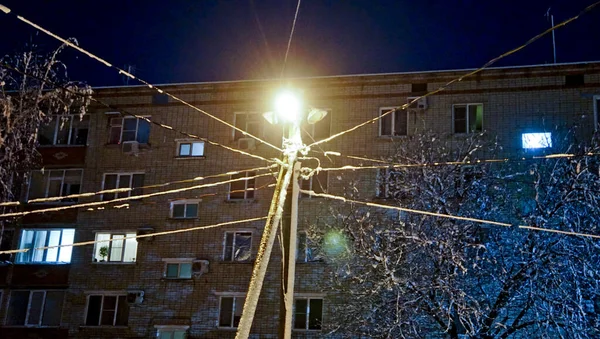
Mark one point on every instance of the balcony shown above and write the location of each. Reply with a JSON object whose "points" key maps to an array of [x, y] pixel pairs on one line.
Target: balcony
{"points": [[62, 155], [37, 333], [39, 275]]}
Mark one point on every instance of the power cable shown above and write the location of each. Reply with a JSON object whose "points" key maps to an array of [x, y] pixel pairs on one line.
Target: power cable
{"points": [[113, 107], [7, 10], [290, 39], [83, 243], [462, 77]]}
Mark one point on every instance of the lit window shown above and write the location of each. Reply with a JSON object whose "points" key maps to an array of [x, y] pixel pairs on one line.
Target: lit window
{"points": [[242, 189], [114, 247], [393, 124], [467, 118], [171, 331], [107, 310], [190, 149], [184, 209], [128, 129], [317, 183], [122, 180], [32, 239], [249, 122], [308, 313], [237, 246], [55, 183], [65, 130], [536, 140], [230, 311], [178, 270], [35, 308]]}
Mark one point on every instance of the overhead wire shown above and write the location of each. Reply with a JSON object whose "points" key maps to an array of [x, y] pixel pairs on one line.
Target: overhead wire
{"points": [[443, 215], [289, 44], [462, 77], [155, 234], [128, 189], [121, 110], [136, 197], [7, 10]]}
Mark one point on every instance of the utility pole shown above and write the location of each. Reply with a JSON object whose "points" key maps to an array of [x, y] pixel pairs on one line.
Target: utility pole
{"points": [[291, 148], [551, 18]]}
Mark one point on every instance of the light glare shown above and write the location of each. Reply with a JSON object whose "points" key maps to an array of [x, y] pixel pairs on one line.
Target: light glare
{"points": [[287, 106], [536, 140]]}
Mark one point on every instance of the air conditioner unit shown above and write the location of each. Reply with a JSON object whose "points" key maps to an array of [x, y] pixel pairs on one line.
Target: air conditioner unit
{"points": [[135, 297], [246, 144], [130, 147], [420, 104], [199, 267]]}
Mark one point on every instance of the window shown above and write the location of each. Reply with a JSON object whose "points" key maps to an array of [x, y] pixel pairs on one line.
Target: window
{"points": [[128, 129], [171, 331], [113, 247], [32, 239], [178, 268], [107, 310], [596, 111], [6, 245], [230, 311], [237, 246], [418, 88], [308, 313], [184, 209], [242, 189], [393, 124], [249, 122], [65, 130], [190, 149], [316, 183], [305, 248], [574, 80], [319, 130], [467, 118], [388, 183], [55, 183], [536, 140], [35, 308], [122, 180]]}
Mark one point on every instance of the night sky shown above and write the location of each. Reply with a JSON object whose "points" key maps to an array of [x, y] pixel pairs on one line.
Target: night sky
{"points": [[208, 40]]}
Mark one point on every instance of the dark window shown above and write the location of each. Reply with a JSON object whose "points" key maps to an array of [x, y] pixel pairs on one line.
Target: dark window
{"points": [[237, 246], [124, 129], [160, 99], [574, 80], [6, 244], [107, 310], [65, 130], [308, 314], [467, 118], [242, 189], [122, 180], [249, 122], [35, 308], [597, 111], [393, 124], [183, 210], [418, 88], [230, 311]]}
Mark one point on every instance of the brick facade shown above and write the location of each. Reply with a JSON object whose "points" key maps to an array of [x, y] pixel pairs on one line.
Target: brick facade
{"points": [[515, 100]]}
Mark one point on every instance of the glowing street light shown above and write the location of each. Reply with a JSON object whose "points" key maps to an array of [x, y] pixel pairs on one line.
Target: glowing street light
{"points": [[288, 106]]}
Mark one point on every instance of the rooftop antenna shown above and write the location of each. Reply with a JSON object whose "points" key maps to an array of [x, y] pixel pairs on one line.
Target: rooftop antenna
{"points": [[551, 18], [131, 70]]}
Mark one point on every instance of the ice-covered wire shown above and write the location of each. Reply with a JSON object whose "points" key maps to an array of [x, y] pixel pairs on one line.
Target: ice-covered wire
{"points": [[462, 77]]}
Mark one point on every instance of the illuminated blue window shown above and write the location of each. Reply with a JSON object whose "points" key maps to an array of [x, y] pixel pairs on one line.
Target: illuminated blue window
{"points": [[536, 140]]}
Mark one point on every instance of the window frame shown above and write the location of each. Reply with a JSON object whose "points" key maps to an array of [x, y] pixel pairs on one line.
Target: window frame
{"points": [[118, 296], [185, 202], [233, 246], [467, 105], [191, 142], [308, 298], [100, 243], [47, 179], [122, 125], [19, 258], [236, 135], [544, 136], [247, 190], [235, 297], [179, 262], [383, 110], [28, 311], [61, 119], [119, 175], [171, 329]]}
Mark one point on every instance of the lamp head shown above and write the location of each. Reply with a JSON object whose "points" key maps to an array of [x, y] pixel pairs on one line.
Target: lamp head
{"points": [[288, 106]]}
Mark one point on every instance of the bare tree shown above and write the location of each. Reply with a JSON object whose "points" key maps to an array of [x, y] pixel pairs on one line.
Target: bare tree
{"points": [[409, 276]]}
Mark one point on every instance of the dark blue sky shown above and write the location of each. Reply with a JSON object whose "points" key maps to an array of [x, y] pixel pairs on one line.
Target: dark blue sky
{"points": [[207, 40]]}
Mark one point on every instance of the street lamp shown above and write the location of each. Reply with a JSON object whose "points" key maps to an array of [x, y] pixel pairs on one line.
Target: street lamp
{"points": [[288, 109]]}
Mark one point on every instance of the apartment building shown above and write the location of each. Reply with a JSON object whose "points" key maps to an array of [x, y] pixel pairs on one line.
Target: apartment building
{"points": [[192, 284]]}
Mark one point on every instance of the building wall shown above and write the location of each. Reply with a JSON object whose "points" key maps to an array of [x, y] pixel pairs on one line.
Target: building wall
{"points": [[515, 100]]}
